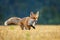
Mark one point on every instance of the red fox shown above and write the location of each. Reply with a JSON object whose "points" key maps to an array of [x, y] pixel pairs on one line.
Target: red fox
{"points": [[12, 21], [28, 22]]}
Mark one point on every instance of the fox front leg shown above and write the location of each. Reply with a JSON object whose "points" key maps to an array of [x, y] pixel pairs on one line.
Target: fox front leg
{"points": [[32, 26]]}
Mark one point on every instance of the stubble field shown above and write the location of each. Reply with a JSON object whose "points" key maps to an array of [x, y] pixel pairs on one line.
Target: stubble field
{"points": [[42, 32]]}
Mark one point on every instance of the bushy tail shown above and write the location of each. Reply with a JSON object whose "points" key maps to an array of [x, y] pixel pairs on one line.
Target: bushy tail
{"points": [[12, 20]]}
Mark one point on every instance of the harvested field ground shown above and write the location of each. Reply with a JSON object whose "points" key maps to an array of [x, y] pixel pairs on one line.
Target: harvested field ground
{"points": [[42, 32]]}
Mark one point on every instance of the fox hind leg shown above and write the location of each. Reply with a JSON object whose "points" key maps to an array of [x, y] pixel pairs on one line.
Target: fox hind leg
{"points": [[27, 27], [22, 27]]}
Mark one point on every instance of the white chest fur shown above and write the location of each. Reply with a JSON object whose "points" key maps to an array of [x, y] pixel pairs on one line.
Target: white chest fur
{"points": [[32, 22]]}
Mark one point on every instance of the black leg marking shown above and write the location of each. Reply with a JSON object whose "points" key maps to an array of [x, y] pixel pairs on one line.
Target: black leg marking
{"points": [[32, 26]]}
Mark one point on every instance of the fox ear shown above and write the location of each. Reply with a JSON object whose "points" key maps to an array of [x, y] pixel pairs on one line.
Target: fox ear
{"points": [[31, 13], [37, 14]]}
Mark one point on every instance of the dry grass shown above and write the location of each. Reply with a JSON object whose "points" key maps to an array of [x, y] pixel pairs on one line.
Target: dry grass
{"points": [[42, 32]]}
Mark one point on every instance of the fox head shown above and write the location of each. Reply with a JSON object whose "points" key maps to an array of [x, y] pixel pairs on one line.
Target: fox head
{"points": [[34, 16]]}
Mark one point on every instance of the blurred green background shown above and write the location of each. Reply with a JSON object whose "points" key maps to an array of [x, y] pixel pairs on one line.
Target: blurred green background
{"points": [[49, 10]]}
